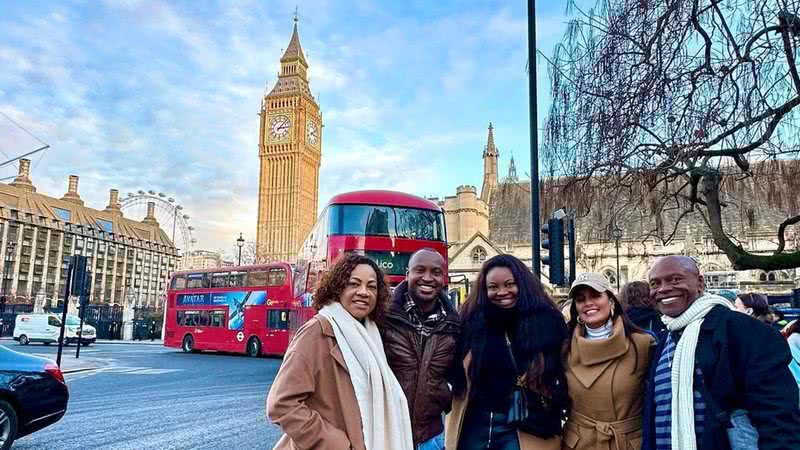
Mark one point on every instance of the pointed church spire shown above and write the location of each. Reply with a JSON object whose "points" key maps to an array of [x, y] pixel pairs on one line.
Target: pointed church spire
{"points": [[512, 170], [490, 149], [490, 155], [294, 51]]}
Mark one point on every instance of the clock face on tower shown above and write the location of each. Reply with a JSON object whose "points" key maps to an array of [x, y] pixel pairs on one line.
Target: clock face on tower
{"points": [[279, 127], [312, 133]]}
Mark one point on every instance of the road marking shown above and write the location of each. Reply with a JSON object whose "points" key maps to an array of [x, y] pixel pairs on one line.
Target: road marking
{"points": [[119, 370]]}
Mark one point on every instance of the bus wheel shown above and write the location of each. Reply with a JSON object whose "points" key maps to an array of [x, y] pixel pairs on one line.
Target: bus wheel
{"points": [[253, 347], [188, 344]]}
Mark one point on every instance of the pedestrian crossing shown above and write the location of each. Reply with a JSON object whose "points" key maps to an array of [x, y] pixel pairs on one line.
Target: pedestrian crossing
{"points": [[119, 370]]}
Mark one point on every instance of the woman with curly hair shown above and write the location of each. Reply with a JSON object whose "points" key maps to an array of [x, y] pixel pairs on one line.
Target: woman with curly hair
{"points": [[335, 389]]}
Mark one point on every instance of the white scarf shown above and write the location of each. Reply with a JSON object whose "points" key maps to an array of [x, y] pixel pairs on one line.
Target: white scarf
{"points": [[682, 375], [385, 418]]}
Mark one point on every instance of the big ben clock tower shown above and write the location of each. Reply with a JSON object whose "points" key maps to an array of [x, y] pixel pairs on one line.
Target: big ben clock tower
{"points": [[289, 152]]}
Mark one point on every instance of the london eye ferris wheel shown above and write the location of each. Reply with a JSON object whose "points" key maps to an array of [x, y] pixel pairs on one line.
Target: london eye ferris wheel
{"points": [[171, 216]]}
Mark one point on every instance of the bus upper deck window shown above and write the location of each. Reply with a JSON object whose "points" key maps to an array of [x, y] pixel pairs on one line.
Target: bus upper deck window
{"points": [[179, 282], [257, 278], [197, 281], [276, 276]]}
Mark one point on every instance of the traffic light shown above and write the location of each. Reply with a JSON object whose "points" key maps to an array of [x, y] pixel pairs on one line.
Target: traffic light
{"points": [[554, 243], [78, 276]]}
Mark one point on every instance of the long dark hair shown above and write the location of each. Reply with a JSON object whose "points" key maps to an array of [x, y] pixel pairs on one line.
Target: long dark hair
{"points": [[618, 311], [537, 339], [332, 284]]}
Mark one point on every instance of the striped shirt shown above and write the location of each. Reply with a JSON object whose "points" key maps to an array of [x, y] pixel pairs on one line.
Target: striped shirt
{"points": [[663, 398]]}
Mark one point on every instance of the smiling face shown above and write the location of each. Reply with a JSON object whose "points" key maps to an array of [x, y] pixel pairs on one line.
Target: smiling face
{"points": [[360, 294], [675, 283], [501, 288], [425, 276], [594, 308]]}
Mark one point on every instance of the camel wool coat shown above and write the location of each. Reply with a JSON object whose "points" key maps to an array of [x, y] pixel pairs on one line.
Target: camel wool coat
{"points": [[312, 398], [453, 421], [606, 380]]}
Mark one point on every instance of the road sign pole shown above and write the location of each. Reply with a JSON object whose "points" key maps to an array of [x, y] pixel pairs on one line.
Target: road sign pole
{"points": [[64, 305]]}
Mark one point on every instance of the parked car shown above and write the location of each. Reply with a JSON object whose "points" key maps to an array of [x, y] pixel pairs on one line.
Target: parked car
{"points": [[33, 395], [46, 328]]}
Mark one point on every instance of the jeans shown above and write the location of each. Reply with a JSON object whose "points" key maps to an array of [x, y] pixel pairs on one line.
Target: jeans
{"points": [[486, 430], [434, 443]]}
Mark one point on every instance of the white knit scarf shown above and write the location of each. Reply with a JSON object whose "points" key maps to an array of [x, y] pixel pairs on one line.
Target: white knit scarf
{"points": [[682, 375], [385, 418]]}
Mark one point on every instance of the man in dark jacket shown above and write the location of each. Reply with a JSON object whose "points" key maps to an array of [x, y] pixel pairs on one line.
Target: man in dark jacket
{"points": [[420, 338], [740, 364]]}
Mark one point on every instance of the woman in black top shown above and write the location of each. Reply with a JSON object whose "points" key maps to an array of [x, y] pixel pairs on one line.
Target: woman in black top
{"points": [[507, 310]]}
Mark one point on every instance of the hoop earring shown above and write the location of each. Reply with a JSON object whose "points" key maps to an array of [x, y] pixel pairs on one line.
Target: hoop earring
{"points": [[581, 322], [612, 310]]}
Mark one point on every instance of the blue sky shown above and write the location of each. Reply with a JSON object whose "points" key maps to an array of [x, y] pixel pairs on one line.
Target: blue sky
{"points": [[142, 94]]}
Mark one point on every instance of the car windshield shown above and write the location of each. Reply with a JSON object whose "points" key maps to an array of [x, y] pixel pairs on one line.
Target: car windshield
{"points": [[73, 321]]}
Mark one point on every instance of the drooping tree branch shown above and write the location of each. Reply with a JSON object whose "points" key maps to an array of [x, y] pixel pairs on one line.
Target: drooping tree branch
{"points": [[650, 97]]}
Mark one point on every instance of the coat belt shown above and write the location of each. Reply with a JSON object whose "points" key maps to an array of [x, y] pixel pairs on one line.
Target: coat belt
{"points": [[608, 430]]}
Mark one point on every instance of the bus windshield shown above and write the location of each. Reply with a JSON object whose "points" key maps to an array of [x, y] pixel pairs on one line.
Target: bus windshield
{"points": [[388, 221]]}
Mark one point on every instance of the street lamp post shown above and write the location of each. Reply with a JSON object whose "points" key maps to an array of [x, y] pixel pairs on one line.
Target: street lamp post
{"points": [[616, 233], [240, 244]]}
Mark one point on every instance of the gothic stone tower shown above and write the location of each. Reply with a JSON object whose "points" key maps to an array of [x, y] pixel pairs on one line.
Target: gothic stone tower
{"points": [[289, 151]]}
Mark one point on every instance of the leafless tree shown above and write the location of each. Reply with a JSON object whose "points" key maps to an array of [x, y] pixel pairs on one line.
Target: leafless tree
{"points": [[664, 106]]}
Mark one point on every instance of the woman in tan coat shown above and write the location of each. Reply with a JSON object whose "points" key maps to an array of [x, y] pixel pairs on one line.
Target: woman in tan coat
{"points": [[335, 390], [607, 360], [512, 333]]}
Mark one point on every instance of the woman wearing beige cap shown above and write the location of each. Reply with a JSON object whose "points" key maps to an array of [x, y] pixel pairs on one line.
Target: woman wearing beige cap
{"points": [[606, 359]]}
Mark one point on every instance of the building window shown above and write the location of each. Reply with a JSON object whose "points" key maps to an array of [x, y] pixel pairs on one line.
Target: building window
{"points": [[63, 214], [478, 255], [611, 276]]}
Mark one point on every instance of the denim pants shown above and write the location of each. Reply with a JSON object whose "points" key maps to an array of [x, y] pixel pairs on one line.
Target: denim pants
{"points": [[486, 430], [434, 443]]}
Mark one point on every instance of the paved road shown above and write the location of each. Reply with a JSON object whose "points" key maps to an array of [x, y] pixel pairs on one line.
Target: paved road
{"points": [[152, 397]]}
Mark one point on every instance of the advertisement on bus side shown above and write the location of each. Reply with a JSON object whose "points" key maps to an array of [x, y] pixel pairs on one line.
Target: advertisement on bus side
{"points": [[234, 300]]}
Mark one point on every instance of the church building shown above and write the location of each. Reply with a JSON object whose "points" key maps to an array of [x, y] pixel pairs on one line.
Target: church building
{"points": [[497, 220]]}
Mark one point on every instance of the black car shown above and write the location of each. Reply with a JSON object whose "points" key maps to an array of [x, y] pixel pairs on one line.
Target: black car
{"points": [[33, 395]]}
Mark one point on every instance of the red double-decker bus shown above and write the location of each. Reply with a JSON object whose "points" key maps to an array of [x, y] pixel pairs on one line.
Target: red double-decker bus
{"points": [[386, 226], [248, 309]]}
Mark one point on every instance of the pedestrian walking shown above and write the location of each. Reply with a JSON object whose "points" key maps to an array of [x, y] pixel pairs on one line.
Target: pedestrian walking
{"points": [[420, 337], [754, 305], [335, 389], [606, 362], [719, 380], [639, 306], [512, 339]]}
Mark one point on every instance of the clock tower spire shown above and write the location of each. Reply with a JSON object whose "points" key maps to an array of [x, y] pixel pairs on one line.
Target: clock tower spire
{"points": [[290, 153]]}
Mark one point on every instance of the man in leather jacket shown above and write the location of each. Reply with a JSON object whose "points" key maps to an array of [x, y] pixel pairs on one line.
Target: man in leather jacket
{"points": [[420, 338]]}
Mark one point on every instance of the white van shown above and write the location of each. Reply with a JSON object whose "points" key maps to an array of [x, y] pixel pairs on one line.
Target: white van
{"points": [[46, 328]]}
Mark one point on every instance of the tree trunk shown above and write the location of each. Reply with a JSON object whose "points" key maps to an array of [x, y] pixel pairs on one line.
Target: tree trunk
{"points": [[738, 256]]}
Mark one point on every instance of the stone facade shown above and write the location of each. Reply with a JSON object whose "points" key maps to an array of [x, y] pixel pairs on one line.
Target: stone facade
{"points": [[128, 259], [755, 208], [200, 259], [290, 152]]}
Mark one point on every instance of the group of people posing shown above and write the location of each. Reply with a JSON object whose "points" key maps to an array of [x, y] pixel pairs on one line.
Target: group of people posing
{"points": [[404, 370]]}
